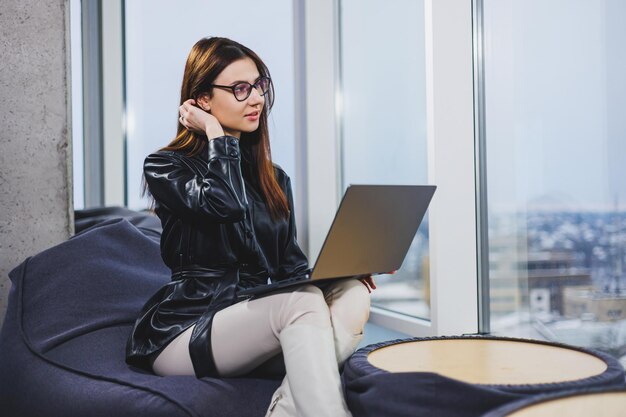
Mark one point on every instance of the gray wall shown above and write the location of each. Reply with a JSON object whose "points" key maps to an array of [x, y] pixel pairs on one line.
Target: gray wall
{"points": [[35, 147]]}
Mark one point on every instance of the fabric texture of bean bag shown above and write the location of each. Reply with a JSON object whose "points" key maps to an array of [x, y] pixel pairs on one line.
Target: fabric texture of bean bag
{"points": [[71, 309]]}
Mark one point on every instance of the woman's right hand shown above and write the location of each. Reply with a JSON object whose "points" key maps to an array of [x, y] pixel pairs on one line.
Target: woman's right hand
{"points": [[197, 120]]}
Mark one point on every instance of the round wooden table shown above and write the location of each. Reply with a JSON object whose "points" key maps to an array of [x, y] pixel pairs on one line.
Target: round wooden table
{"points": [[489, 361], [599, 403], [468, 376]]}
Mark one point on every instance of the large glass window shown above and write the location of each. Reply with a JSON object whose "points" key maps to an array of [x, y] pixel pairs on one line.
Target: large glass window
{"points": [[383, 123], [555, 94]]}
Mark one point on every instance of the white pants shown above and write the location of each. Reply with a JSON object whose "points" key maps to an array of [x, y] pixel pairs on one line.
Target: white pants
{"points": [[245, 335]]}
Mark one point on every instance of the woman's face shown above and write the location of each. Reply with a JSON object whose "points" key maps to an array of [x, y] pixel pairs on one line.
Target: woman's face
{"points": [[237, 116]]}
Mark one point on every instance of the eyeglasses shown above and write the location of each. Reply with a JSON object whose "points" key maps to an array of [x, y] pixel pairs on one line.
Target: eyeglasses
{"points": [[242, 90]]}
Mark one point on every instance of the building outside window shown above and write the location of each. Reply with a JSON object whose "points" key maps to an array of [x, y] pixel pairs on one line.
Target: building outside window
{"points": [[555, 93]]}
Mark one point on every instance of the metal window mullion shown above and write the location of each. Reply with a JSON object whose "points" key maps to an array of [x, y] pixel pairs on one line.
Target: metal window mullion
{"points": [[302, 198], [124, 105], [482, 229], [339, 115], [92, 103]]}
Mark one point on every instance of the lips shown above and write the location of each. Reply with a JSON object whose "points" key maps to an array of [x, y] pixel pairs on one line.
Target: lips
{"points": [[252, 117]]}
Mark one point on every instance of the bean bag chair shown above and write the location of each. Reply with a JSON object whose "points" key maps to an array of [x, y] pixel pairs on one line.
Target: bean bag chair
{"points": [[596, 402], [373, 391], [149, 224], [71, 309]]}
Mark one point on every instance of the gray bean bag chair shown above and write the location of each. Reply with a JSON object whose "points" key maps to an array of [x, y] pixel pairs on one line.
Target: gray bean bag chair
{"points": [[71, 309]]}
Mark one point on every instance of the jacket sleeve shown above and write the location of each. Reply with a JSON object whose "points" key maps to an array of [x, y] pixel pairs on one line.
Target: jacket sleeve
{"points": [[293, 261], [218, 196]]}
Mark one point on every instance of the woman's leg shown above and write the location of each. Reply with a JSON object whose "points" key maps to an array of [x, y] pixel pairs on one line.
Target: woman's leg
{"points": [[175, 359], [298, 323], [248, 333], [349, 304]]}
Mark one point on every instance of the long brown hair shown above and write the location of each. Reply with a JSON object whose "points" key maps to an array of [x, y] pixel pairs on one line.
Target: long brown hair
{"points": [[207, 59]]}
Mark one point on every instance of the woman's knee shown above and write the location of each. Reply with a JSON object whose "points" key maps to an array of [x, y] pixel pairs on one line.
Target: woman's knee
{"points": [[351, 305], [349, 291], [306, 305]]}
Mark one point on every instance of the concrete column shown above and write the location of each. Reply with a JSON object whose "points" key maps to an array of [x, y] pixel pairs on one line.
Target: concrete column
{"points": [[35, 148]]}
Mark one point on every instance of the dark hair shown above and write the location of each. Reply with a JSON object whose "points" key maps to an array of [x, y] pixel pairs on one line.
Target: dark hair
{"points": [[207, 59]]}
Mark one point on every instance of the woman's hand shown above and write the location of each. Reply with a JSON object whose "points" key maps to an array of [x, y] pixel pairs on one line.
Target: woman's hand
{"points": [[197, 120], [369, 281]]}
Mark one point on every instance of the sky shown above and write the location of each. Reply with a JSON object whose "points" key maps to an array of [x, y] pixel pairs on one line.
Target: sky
{"points": [[556, 104]]}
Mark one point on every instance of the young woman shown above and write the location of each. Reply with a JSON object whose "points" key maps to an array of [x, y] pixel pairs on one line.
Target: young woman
{"points": [[228, 223]]}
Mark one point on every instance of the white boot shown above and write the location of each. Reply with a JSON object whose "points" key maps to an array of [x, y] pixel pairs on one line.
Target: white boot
{"points": [[313, 375], [282, 402], [346, 342]]}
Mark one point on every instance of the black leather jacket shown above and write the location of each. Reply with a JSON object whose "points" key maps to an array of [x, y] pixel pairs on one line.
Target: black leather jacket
{"points": [[218, 236]]}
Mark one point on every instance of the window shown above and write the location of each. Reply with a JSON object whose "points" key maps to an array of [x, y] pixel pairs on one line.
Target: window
{"points": [[383, 123], [555, 90]]}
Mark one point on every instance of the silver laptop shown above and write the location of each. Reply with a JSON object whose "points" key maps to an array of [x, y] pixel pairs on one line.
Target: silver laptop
{"points": [[371, 234]]}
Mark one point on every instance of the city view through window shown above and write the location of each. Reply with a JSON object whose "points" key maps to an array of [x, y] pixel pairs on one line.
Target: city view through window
{"points": [[556, 160], [561, 280]]}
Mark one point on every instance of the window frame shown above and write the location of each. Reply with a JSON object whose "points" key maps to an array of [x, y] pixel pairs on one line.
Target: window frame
{"points": [[451, 158]]}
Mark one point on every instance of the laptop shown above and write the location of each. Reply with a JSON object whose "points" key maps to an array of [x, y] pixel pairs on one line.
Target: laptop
{"points": [[371, 234]]}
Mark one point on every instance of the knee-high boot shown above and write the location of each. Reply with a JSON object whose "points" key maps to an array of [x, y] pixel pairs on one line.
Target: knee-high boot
{"points": [[312, 386], [346, 342], [349, 303], [282, 404]]}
